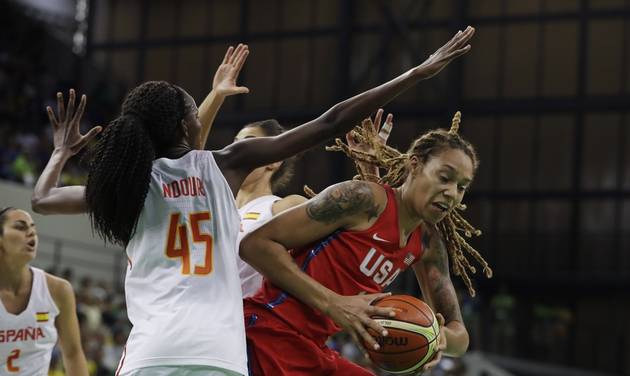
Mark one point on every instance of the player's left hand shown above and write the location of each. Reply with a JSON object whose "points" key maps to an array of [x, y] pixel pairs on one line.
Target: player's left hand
{"points": [[441, 345], [224, 82], [352, 313]]}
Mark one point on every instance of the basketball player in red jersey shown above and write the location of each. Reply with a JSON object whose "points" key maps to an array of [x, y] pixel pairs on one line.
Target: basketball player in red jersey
{"points": [[356, 237]]}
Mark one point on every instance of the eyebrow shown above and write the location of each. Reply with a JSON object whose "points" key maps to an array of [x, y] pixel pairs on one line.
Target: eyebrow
{"points": [[453, 169], [23, 222]]}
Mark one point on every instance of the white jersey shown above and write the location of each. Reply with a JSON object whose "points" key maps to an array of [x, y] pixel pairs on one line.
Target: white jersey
{"points": [[253, 215], [182, 288], [27, 339]]}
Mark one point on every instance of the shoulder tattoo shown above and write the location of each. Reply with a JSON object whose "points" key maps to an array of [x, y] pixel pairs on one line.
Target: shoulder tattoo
{"points": [[343, 199]]}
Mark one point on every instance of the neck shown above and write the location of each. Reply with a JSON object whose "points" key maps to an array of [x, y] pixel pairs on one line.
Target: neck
{"points": [[175, 151], [13, 278], [251, 192], [408, 220]]}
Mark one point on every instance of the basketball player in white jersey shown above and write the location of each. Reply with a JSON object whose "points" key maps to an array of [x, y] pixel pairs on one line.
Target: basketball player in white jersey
{"points": [[37, 308], [256, 200], [173, 209]]}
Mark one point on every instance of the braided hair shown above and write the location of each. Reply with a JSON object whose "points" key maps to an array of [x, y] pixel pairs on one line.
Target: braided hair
{"points": [[121, 162], [395, 164], [281, 177]]}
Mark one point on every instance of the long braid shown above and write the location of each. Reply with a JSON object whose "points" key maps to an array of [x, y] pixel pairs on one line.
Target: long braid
{"points": [[395, 164], [121, 162]]}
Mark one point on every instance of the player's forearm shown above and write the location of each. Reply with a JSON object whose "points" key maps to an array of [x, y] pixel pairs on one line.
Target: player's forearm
{"points": [[207, 113], [48, 180], [457, 339], [75, 364], [273, 261], [344, 115], [338, 120]]}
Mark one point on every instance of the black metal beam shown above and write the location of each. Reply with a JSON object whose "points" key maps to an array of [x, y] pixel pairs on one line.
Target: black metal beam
{"points": [[471, 108], [423, 24]]}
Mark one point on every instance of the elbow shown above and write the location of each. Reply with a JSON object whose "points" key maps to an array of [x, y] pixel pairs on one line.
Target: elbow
{"points": [[36, 205]]}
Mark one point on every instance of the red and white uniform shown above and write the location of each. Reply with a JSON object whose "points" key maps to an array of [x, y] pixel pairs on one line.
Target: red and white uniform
{"points": [[27, 339], [347, 262]]}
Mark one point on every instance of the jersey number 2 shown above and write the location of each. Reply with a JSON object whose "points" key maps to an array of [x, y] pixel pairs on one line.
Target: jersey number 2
{"points": [[13, 356], [177, 245]]}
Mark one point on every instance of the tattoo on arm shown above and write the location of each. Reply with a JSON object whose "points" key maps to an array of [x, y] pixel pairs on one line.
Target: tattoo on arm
{"points": [[344, 199], [443, 293]]}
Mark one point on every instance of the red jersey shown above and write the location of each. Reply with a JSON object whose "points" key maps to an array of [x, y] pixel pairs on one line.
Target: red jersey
{"points": [[347, 262]]}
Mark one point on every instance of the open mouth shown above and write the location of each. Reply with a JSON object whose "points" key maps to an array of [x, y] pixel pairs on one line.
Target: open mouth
{"points": [[32, 244], [441, 206]]}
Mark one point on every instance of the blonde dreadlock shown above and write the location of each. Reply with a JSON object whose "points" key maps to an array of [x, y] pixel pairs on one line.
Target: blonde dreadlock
{"points": [[395, 162]]}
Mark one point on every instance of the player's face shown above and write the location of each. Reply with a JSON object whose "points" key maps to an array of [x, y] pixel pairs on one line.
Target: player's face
{"points": [[439, 185], [19, 237], [251, 132], [191, 119]]}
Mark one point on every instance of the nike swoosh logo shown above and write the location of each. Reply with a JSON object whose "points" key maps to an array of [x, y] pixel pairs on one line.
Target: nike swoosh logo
{"points": [[376, 237]]}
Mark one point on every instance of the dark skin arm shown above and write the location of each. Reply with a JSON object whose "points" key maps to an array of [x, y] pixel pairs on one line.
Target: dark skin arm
{"points": [[240, 158], [434, 278], [351, 205], [47, 198]]}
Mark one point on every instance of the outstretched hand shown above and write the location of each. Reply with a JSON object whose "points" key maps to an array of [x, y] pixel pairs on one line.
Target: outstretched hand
{"points": [[373, 131], [454, 48], [352, 313], [224, 82], [66, 134], [372, 128]]}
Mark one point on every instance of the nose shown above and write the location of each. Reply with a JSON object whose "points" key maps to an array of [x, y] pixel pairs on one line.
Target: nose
{"points": [[31, 233], [451, 191]]}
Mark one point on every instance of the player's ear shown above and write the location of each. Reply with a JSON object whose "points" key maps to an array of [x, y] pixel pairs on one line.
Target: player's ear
{"points": [[183, 127], [414, 164], [274, 166]]}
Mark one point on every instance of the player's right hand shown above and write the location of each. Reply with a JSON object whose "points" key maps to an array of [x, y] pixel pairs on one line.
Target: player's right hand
{"points": [[352, 313]]}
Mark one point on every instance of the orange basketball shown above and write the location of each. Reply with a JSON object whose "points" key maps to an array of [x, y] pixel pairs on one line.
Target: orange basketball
{"points": [[412, 337]]}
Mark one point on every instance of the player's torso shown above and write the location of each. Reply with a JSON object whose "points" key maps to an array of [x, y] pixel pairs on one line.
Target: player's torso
{"points": [[182, 286], [27, 339], [253, 215], [349, 263]]}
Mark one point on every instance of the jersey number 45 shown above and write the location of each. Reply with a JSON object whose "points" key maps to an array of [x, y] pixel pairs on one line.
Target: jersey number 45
{"points": [[177, 245]]}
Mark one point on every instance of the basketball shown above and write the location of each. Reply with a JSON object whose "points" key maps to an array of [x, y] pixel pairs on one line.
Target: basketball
{"points": [[412, 338]]}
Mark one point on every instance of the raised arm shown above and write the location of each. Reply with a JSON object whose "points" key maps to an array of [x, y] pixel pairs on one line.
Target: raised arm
{"points": [[223, 85], [47, 198], [348, 205], [433, 276], [238, 159]]}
